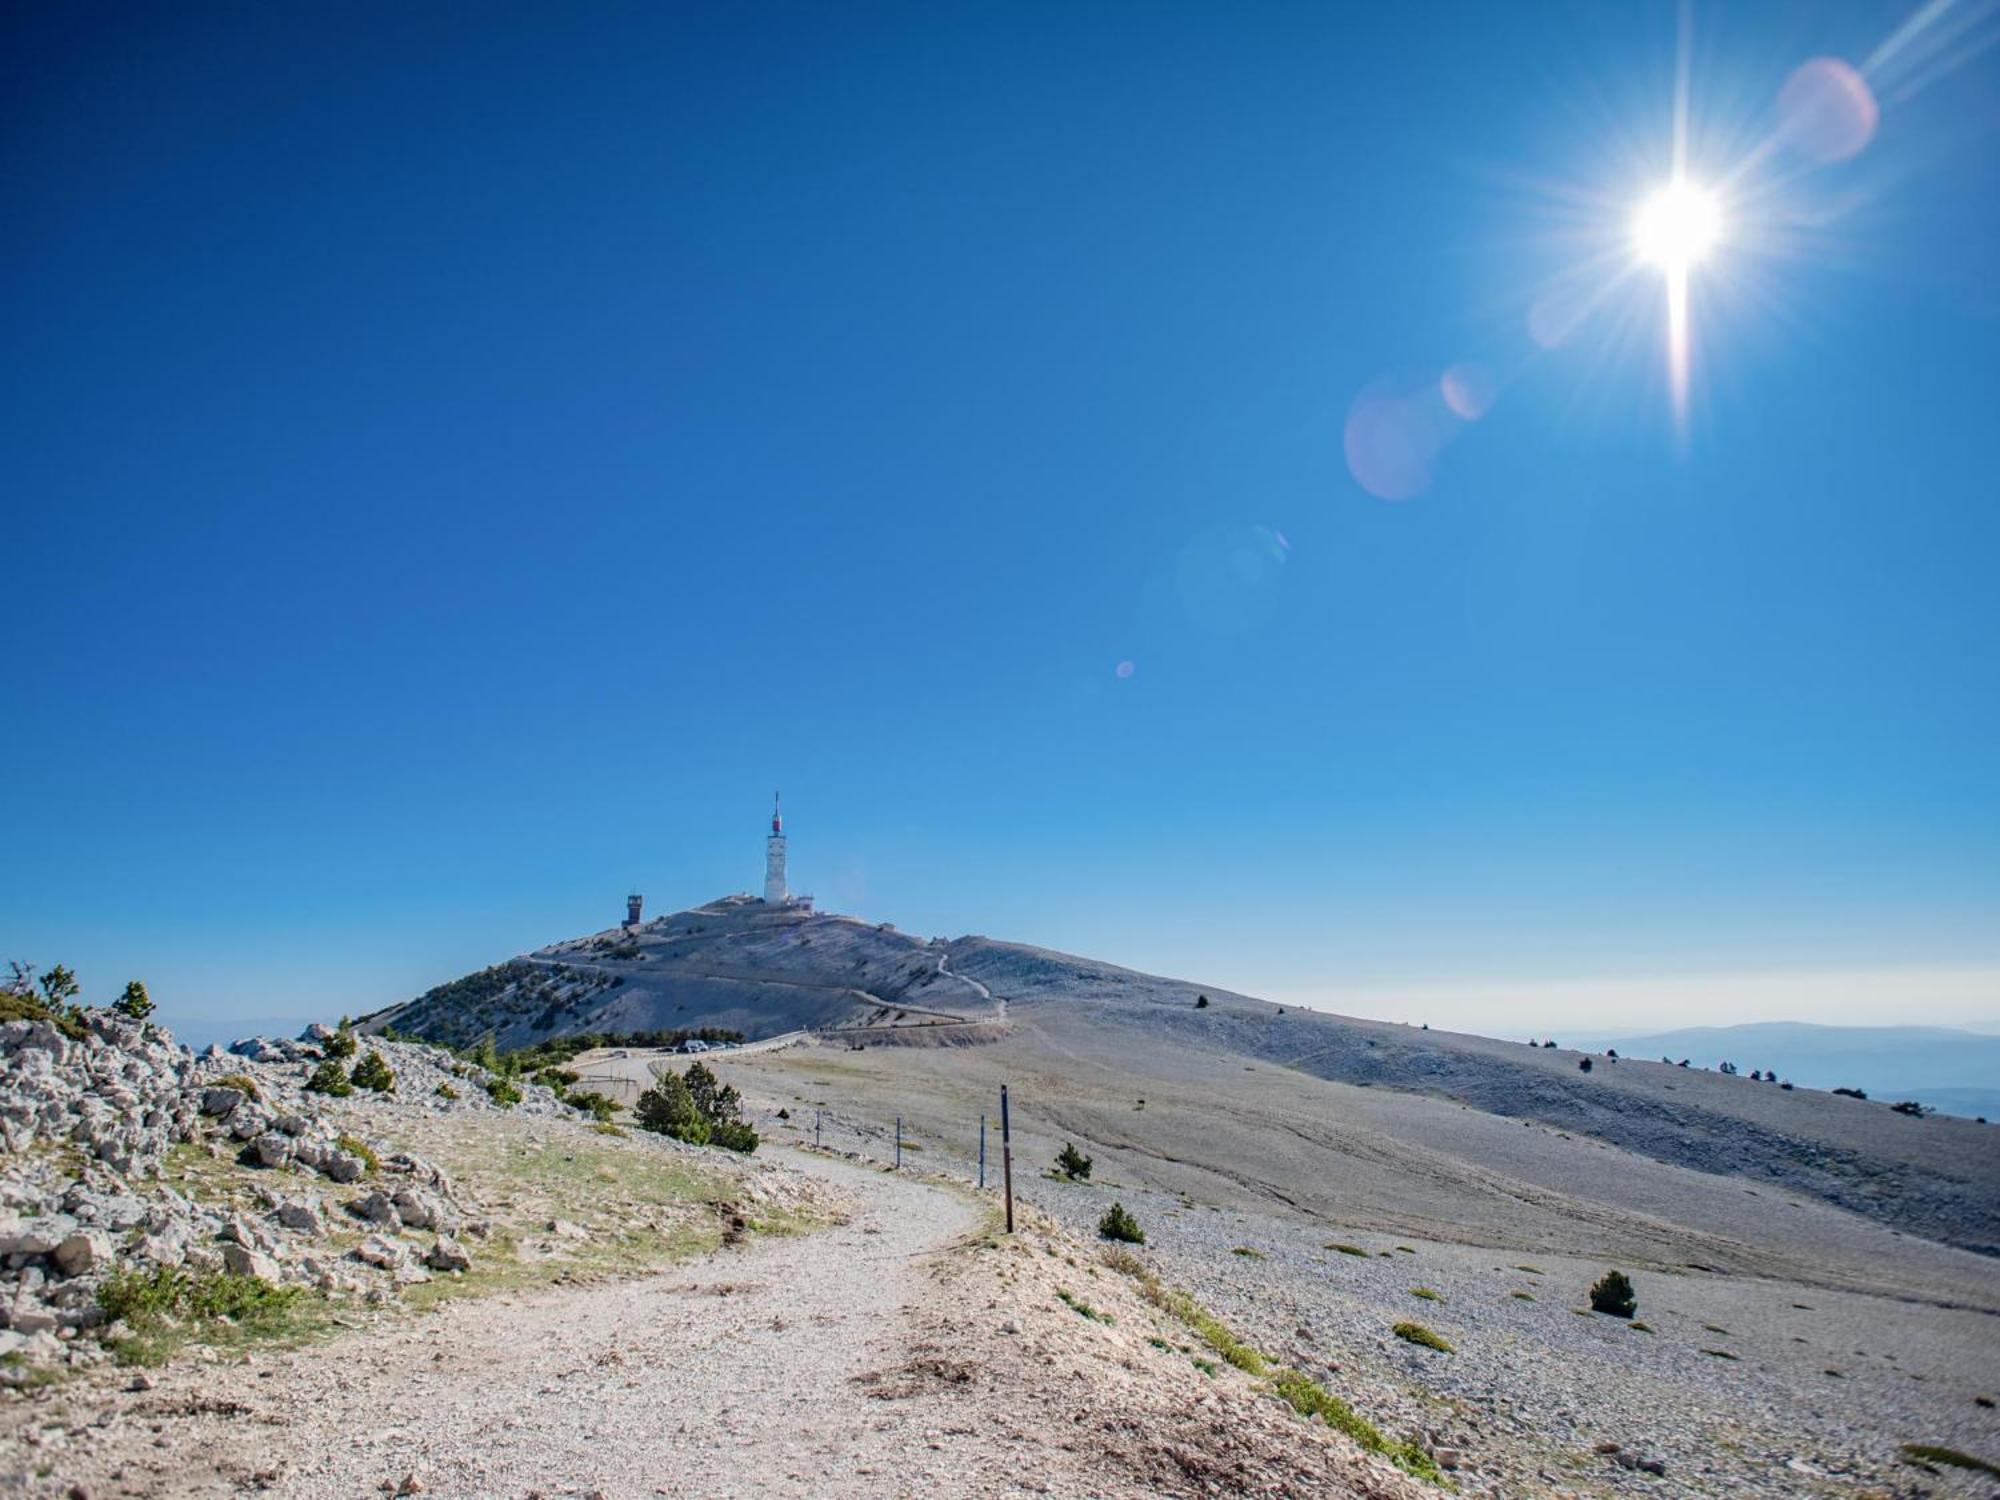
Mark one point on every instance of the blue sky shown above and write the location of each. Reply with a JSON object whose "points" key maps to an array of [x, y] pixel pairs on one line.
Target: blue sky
{"points": [[456, 465]]}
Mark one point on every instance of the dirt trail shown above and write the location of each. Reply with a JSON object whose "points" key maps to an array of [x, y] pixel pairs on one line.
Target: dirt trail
{"points": [[906, 1353], [733, 1377]]}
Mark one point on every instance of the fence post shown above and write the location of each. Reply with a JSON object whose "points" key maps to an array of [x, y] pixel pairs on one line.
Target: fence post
{"points": [[982, 1153], [899, 1143], [1007, 1157], [816, 1115]]}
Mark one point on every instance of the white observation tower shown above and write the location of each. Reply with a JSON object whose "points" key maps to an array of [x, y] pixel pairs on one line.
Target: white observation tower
{"points": [[774, 855]]}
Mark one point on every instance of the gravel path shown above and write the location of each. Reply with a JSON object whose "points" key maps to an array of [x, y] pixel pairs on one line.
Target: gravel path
{"points": [[739, 1376]]}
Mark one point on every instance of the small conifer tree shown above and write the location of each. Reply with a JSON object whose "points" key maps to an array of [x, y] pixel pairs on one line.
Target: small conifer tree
{"points": [[668, 1108], [135, 1002], [1118, 1224], [329, 1078], [373, 1073], [1073, 1164], [1613, 1294]]}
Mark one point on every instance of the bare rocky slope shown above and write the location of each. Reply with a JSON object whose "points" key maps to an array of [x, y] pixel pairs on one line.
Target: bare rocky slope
{"points": [[735, 963]]}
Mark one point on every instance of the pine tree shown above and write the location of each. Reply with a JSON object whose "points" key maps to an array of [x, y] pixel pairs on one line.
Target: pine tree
{"points": [[668, 1108], [328, 1078], [1613, 1294], [135, 1002], [373, 1073], [1073, 1164]]}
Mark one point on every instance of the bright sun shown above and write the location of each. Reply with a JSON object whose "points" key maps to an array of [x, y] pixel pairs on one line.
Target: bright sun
{"points": [[1676, 227]]}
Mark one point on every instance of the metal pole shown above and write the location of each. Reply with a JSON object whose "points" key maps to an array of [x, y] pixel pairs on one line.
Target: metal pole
{"points": [[982, 1153], [1007, 1157], [899, 1143]]}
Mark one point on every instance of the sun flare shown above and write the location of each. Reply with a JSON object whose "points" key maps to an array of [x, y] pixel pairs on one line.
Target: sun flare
{"points": [[1677, 227]]}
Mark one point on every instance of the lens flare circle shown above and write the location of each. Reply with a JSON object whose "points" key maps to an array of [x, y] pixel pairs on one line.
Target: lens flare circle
{"points": [[1677, 226], [1827, 111]]}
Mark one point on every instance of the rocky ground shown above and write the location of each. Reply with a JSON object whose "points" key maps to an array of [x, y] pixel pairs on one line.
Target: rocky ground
{"points": [[1788, 1349]]}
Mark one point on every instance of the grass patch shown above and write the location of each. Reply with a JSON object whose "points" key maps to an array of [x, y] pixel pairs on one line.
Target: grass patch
{"points": [[243, 1083], [353, 1145], [1124, 1262], [1427, 1293], [167, 1308], [1214, 1332], [665, 1209], [1083, 1309], [1718, 1354], [1416, 1333], [1248, 1254], [1309, 1398], [1522, 1296], [1207, 1367], [1637, 1327], [1161, 1344], [1532, 1270], [1931, 1453], [1350, 1250]]}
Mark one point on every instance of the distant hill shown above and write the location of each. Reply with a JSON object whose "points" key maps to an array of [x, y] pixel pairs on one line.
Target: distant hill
{"points": [[1951, 1070], [1092, 1032]]}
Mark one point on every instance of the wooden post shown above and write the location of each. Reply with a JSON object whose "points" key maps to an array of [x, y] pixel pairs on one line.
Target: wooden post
{"points": [[1007, 1157], [982, 1153], [816, 1115], [899, 1143]]}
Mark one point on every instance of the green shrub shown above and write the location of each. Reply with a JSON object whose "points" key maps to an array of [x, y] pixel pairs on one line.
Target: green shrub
{"points": [[1117, 1224], [1073, 1164], [1931, 1453], [135, 1002], [341, 1044], [1522, 1296], [1350, 1250], [243, 1083], [445, 1091], [599, 1107], [353, 1145], [668, 1108], [1426, 1293], [1637, 1327], [329, 1078], [1248, 1253], [1613, 1294], [1201, 1002], [373, 1073], [502, 1092], [733, 1135], [1416, 1333]]}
